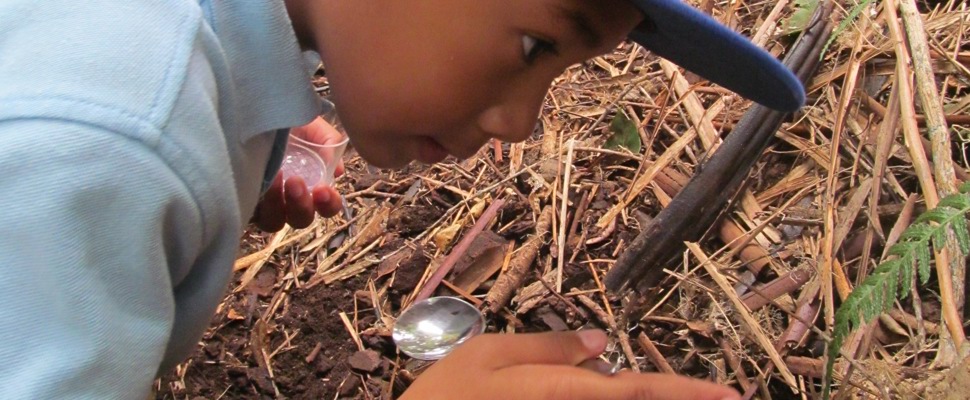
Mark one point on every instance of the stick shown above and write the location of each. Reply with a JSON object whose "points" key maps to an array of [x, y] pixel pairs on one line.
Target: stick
{"points": [[561, 242], [501, 292], [611, 323], [782, 285], [654, 355], [429, 287]]}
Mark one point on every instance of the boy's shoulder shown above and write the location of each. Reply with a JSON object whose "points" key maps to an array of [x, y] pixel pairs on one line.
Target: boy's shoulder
{"points": [[125, 57]]}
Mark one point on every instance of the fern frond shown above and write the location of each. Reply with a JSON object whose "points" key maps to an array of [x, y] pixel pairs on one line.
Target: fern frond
{"points": [[963, 237], [890, 280]]}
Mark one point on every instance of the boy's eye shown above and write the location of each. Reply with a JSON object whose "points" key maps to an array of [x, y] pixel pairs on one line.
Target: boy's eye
{"points": [[533, 47]]}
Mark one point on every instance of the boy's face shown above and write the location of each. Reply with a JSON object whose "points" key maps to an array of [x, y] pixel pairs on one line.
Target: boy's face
{"points": [[421, 79]]}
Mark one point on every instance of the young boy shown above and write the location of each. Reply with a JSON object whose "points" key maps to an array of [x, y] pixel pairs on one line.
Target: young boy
{"points": [[137, 137]]}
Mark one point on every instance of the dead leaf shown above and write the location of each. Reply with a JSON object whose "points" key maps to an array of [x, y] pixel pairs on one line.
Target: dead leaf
{"points": [[234, 315], [443, 237]]}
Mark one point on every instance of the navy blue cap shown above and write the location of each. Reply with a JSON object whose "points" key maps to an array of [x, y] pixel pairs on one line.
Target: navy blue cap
{"points": [[676, 31]]}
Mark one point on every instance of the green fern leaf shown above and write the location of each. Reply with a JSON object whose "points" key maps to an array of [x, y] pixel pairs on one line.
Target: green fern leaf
{"points": [[939, 238], [891, 279], [901, 249], [918, 232], [936, 215], [959, 226], [905, 271], [957, 201]]}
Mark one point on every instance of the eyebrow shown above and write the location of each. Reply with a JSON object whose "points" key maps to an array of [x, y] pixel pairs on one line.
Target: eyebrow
{"points": [[581, 24]]}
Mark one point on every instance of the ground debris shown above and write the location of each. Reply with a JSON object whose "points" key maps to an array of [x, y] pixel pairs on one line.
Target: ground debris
{"points": [[365, 361], [807, 195]]}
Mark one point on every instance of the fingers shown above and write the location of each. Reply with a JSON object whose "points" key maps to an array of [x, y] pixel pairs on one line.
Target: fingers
{"points": [[326, 201], [298, 203], [571, 383], [269, 212], [317, 131], [566, 348]]}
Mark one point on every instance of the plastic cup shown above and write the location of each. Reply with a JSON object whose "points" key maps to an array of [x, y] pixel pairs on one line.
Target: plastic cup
{"points": [[315, 154]]}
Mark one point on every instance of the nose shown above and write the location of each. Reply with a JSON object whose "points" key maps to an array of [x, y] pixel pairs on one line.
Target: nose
{"points": [[513, 118]]}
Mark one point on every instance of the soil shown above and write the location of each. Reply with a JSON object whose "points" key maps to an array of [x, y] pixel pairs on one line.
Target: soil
{"points": [[225, 365]]}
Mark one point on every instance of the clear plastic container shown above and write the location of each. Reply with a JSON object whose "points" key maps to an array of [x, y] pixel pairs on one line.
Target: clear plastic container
{"points": [[314, 154]]}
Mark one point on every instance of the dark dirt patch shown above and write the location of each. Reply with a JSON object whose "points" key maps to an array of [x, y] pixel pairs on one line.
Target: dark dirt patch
{"points": [[225, 366]]}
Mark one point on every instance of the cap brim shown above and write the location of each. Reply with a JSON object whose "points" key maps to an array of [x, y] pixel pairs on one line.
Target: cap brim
{"points": [[695, 41]]}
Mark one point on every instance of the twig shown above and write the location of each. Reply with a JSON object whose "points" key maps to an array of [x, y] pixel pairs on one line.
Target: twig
{"points": [[779, 286], [610, 322], [449, 262], [884, 144], [505, 286], [561, 242], [351, 330], [654, 355]]}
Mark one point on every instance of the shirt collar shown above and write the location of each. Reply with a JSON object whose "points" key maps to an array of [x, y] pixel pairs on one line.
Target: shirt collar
{"points": [[270, 80]]}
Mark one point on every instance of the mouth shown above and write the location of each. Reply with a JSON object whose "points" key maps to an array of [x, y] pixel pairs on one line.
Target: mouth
{"points": [[430, 151]]}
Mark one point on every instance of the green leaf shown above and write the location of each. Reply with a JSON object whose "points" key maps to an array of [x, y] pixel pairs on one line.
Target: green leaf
{"points": [[936, 215], [804, 9], [916, 233], [960, 230], [923, 257], [958, 201], [625, 135]]}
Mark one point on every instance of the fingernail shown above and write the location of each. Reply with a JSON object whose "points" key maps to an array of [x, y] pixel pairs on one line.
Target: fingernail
{"points": [[593, 339]]}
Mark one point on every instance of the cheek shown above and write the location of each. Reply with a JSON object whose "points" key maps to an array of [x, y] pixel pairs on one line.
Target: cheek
{"points": [[418, 86]]}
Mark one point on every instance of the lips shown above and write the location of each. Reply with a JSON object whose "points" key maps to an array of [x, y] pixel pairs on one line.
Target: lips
{"points": [[430, 151]]}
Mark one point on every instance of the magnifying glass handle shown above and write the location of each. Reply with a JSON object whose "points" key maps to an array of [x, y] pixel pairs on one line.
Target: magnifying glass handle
{"points": [[600, 366]]}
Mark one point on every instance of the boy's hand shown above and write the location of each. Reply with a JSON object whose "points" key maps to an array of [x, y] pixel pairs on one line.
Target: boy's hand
{"points": [[543, 366], [291, 202]]}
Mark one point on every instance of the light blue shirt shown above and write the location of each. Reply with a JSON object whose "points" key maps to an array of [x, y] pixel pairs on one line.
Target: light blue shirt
{"points": [[134, 140]]}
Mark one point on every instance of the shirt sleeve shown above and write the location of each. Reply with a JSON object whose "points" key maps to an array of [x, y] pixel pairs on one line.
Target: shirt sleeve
{"points": [[94, 225]]}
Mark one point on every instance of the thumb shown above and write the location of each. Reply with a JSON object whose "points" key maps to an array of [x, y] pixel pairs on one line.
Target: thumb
{"points": [[563, 348]]}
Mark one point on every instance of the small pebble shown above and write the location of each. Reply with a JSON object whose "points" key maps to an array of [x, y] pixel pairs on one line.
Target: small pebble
{"points": [[365, 361]]}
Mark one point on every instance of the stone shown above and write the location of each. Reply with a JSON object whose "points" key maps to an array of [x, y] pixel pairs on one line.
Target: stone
{"points": [[365, 361]]}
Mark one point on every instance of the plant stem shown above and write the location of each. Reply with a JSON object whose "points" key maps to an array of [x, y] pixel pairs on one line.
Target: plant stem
{"points": [[951, 274], [911, 133]]}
